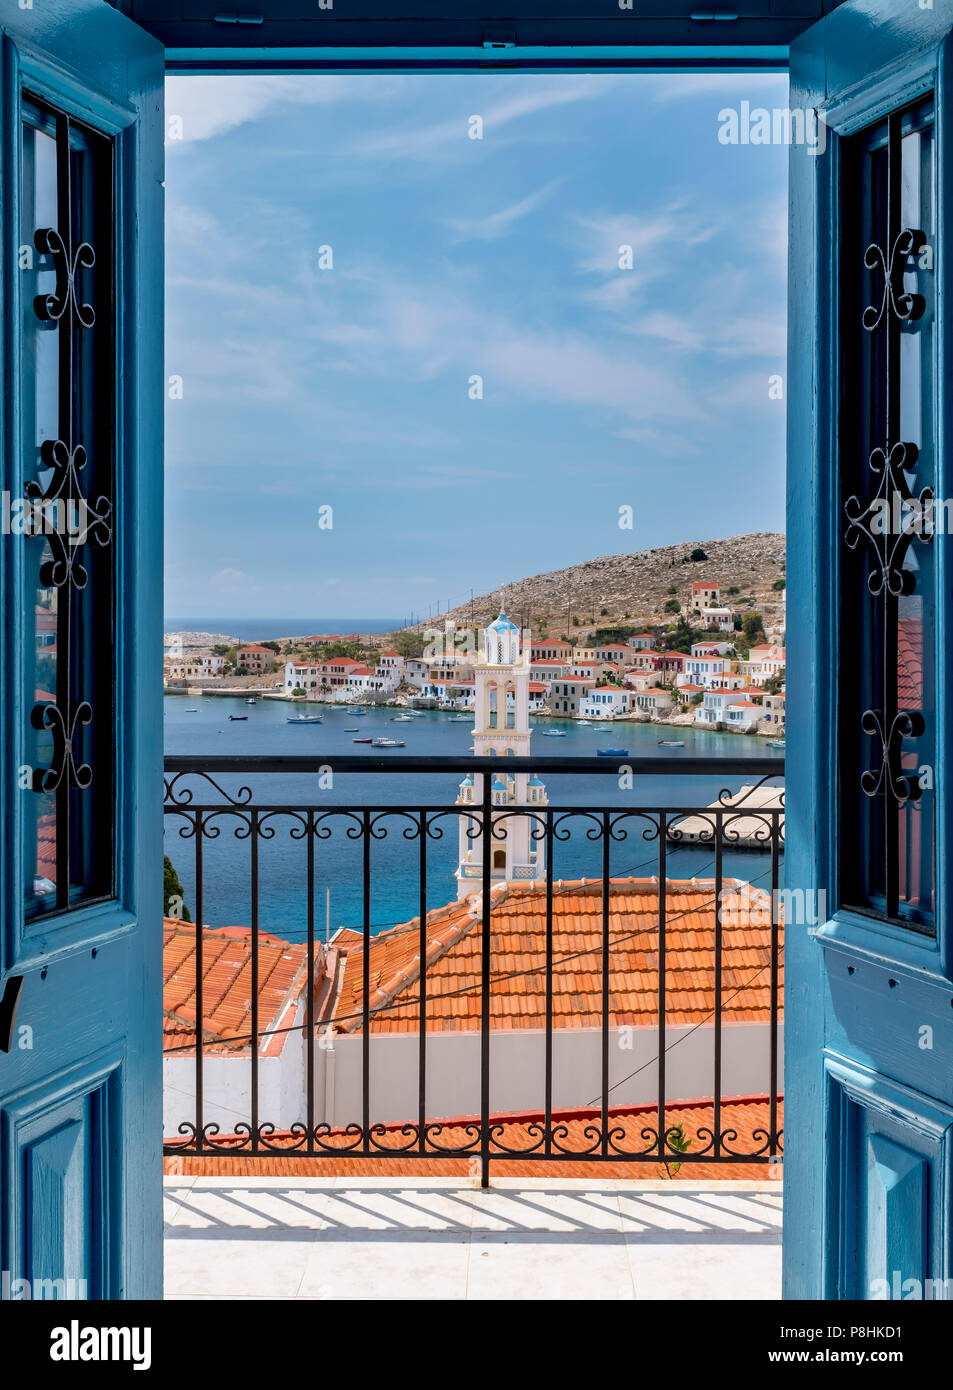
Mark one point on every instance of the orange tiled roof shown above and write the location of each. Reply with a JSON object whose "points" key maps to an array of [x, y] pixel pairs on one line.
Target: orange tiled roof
{"points": [[748, 1116], [226, 989], [454, 935]]}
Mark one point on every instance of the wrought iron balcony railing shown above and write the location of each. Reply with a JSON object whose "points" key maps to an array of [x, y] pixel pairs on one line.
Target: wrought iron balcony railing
{"points": [[614, 997]]}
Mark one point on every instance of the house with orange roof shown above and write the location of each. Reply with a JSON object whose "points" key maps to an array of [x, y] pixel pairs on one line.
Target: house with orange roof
{"points": [[550, 649], [391, 1011], [226, 1021], [764, 662], [654, 699], [705, 594], [255, 658]]}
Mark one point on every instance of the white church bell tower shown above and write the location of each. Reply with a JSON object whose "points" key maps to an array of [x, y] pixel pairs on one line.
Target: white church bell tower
{"points": [[501, 730]]}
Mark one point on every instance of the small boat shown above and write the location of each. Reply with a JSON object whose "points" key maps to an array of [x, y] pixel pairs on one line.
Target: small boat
{"points": [[238, 716], [462, 719], [402, 719], [339, 708], [358, 713], [361, 740], [193, 710], [776, 743], [351, 731], [554, 733], [671, 743], [584, 724], [251, 702], [384, 742], [304, 719], [612, 753]]}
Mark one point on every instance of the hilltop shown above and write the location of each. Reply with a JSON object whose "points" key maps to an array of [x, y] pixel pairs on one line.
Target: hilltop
{"points": [[633, 588]]}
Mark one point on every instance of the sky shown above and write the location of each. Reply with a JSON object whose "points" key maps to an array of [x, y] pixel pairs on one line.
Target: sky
{"points": [[344, 260]]}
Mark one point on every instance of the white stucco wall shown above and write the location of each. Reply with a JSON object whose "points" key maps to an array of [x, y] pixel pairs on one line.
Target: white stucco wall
{"points": [[517, 1060]]}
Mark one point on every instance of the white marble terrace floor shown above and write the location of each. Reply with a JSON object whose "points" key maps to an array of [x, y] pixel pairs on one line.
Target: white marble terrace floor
{"points": [[444, 1238]]}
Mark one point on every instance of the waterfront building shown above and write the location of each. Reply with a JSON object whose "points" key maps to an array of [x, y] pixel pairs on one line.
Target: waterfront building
{"points": [[566, 697], [606, 702]]}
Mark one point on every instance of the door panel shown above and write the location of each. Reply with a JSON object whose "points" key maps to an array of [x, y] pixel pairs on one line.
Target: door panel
{"points": [[868, 993], [80, 665]]}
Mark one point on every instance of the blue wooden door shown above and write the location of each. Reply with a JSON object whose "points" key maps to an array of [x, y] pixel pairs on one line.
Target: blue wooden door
{"points": [[869, 994], [80, 662]]}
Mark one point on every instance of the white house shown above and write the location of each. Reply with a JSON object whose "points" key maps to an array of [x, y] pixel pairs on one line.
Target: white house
{"points": [[303, 677], [718, 617], [654, 700], [713, 709], [711, 648], [363, 678], [701, 670], [743, 715], [605, 702], [391, 667]]}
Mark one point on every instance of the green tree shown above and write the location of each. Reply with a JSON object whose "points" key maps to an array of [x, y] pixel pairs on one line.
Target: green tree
{"points": [[173, 898], [774, 684], [672, 589], [603, 612], [698, 554], [779, 584], [409, 644], [751, 626], [673, 606]]}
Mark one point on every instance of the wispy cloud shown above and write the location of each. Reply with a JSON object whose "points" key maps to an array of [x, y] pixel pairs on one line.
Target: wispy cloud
{"points": [[200, 108], [497, 224], [433, 140]]}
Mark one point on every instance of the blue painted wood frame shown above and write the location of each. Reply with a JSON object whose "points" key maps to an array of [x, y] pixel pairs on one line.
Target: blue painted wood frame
{"points": [[857, 990], [80, 1110]]}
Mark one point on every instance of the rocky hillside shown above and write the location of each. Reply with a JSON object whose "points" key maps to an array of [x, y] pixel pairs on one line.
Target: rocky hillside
{"points": [[635, 588]]}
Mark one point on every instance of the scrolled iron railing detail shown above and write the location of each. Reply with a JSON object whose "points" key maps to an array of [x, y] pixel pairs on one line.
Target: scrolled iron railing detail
{"points": [[543, 1136]]}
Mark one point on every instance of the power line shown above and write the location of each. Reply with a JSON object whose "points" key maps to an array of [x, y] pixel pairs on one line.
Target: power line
{"points": [[494, 980]]}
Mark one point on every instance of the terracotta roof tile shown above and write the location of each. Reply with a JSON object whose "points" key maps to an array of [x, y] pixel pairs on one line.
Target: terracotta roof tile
{"points": [[518, 983], [226, 989]]}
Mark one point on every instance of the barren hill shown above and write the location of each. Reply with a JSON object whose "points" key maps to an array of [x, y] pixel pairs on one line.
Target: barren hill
{"points": [[634, 588]]}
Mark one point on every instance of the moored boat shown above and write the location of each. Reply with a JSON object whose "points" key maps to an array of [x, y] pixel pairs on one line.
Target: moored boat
{"points": [[612, 753]]}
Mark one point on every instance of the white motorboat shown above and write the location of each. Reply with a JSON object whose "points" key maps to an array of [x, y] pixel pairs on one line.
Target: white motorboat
{"points": [[305, 719], [387, 743], [554, 733]]}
